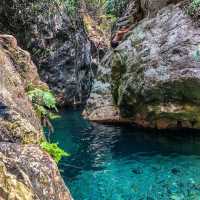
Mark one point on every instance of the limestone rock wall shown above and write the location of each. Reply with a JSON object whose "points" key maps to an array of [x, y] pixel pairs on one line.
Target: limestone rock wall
{"points": [[154, 73], [26, 172], [57, 42]]}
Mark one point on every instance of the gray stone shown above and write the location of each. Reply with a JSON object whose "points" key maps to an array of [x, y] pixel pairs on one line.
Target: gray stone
{"points": [[154, 77], [57, 42], [26, 171]]}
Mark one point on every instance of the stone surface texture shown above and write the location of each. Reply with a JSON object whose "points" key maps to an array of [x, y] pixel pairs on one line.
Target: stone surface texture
{"points": [[154, 75], [26, 171], [57, 42]]}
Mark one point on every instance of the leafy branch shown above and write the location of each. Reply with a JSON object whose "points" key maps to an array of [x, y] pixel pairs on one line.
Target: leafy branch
{"points": [[54, 150]]}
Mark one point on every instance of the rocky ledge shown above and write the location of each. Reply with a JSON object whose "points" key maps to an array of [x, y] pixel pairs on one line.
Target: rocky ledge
{"points": [[152, 78], [26, 171]]}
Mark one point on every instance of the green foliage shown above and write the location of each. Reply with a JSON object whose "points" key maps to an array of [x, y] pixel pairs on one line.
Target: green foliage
{"points": [[54, 150], [196, 54], [40, 110], [43, 102], [96, 3], [194, 7], [42, 98], [107, 21], [71, 5], [195, 4], [116, 7], [113, 7]]}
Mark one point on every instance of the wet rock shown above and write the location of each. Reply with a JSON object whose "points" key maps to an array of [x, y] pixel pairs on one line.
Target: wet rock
{"points": [[137, 171], [172, 188], [100, 106], [175, 171]]}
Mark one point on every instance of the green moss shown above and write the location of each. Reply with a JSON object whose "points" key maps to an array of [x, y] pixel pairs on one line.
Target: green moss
{"points": [[185, 112], [181, 116], [118, 69], [182, 91]]}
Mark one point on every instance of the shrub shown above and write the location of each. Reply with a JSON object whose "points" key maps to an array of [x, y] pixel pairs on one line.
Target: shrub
{"points": [[195, 4], [44, 102], [42, 97], [71, 5], [116, 7], [194, 7], [54, 150]]}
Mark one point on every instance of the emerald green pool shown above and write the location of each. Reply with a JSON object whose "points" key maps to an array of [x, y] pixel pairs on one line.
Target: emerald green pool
{"points": [[124, 163]]}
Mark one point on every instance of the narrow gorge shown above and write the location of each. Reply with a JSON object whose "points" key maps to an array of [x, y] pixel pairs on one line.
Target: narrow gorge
{"points": [[99, 100]]}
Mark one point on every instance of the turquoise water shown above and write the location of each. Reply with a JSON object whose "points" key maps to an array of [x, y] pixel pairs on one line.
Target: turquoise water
{"points": [[123, 163]]}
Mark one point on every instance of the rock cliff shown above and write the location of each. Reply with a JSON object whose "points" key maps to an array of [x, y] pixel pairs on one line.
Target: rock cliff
{"points": [[26, 171], [153, 77], [57, 42]]}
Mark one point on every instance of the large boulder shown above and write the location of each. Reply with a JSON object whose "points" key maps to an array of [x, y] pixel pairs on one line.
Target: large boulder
{"points": [[26, 171], [155, 74], [18, 122], [57, 41]]}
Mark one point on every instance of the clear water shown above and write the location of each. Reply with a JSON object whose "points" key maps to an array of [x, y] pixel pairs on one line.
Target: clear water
{"points": [[122, 163]]}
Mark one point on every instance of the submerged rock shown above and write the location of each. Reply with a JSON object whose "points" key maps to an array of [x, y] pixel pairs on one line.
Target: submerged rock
{"points": [[26, 172], [154, 77], [57, 41], [175, 171], [137, 171]]}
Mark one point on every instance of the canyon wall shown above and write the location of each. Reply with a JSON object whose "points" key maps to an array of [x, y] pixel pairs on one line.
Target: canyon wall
{"points": [[152, 79], [57, 41], [26, 171]]}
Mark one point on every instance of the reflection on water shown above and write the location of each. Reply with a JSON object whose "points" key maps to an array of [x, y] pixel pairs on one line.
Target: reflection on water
{"points": [[122, 163]]}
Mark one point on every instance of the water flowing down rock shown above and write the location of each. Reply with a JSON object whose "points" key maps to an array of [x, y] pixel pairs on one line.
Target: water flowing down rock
{"points": [[154, 76], [26, 172]]}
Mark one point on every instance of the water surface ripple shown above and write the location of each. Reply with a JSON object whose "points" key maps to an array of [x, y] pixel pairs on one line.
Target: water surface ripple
{"points": [[123, 163]]}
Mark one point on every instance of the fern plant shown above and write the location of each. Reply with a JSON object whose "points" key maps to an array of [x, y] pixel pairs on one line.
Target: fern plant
{"points": [[54, 150], [42, 97], [44, 102]]}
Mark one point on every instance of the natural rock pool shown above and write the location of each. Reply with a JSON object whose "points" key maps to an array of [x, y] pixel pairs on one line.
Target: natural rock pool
{"points": [[122, 163]]}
